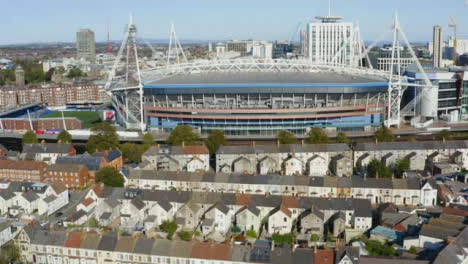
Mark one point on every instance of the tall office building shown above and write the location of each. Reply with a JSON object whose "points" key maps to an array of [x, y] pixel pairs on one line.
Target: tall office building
{"points": [[86, 45], [437, 47], [330, 41]]}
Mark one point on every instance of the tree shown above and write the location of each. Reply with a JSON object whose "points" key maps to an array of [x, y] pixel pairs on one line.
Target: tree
{"points": [[110, 176], [64, 137], [286, 137], [251, 233], [169, 227], [413, 250], [132, 152], [183, 133], [317, 136], [104, 137], [314, 238], [9, 254], [75, 73], [443, 135], [29, 138], [148, 141], [93, 222], [185, 235], [215, 140], [383, 134], [377, 168], [375, 248], [342, 138], [48, 75], [282, 239], [401, 166]]}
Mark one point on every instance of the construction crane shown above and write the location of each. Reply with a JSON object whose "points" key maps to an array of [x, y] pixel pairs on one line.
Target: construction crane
{"points": [[453, 25]]}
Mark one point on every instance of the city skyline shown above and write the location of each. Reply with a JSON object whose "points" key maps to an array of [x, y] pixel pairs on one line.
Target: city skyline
{"points": [[207, 21]]}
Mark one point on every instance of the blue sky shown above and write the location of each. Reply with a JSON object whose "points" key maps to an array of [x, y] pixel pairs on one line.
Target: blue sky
{"points": [[57, 20]]}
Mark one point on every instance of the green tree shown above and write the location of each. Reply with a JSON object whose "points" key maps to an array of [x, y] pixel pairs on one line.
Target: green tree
{"points": [[314, 238], [7, 76], [169, 227], [93, 222], [75, 73], [443, 135], [132, 152], [342, 138], [384, 134], [29, 138], [9, 254], [317, 136], [251, 233], [375, 248], [286, 137], [48, 75], [148, 141], [377, 168], [401, 166], [104, 137], [185, 235], [413, 250], [183, 133], [110, 176], [282, 239], [64, 137], [215, 140]]}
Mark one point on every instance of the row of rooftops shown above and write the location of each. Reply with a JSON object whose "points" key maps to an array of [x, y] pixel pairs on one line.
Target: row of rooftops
{"points": [[361, 207], [273, 179], [30, 191], [62, 148], [6, 164], [92, 162], [141, 245]]}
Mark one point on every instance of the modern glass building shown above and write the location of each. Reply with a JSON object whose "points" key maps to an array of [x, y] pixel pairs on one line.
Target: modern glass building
{"points": [[264, 103]]}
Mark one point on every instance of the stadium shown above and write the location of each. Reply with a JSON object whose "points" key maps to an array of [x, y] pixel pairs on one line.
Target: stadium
{"points": [[249, 97], [264, 103]]}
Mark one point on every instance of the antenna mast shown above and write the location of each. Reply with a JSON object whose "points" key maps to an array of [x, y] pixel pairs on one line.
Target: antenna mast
{"points": [[109, 46]]}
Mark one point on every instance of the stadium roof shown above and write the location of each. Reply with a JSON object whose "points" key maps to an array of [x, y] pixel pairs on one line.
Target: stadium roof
{"points": [[322, 82]]}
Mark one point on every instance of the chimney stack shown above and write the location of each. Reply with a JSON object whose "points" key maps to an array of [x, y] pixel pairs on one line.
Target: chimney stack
{"points": [[302, 142], [277, 143], [183, 144]]}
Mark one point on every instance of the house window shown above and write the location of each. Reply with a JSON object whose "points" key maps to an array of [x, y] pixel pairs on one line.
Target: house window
{"points": [[285, 219]]}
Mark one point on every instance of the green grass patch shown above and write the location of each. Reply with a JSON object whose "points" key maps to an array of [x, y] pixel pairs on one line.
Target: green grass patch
{"points": [[88, 118]]}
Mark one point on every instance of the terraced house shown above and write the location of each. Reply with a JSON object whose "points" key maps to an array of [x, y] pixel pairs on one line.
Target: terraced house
{"points": [[298, 159], [406, 191]]}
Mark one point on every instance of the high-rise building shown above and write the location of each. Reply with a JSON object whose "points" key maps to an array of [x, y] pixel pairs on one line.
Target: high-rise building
{"points": [[19, 76], [86, 45], [437, 47], [330, 41]]}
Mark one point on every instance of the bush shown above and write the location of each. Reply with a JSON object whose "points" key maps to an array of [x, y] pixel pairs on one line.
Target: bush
{"points": [[251, 233], [314, 238], [185, 235], [377, 168], [282, 239], [317, 136], [383, 134], [286, 137], [185, 134], [169, 227], [93, 222], [342, 138], [29, 138], [376, 248], [110, 176], [64, 137]]}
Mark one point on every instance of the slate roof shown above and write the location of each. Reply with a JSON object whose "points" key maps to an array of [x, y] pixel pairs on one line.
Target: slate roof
{"points": [[66, 168], [297, 148], [93, 163], [125, 244], [281, 254], [108, 242], [422, 145], [144, 246], [90, 241], [62, 148], [261, 251], [138, 203]]}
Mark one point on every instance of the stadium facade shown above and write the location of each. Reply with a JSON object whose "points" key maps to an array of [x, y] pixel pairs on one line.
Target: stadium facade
{"points": [[264, 103]]}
